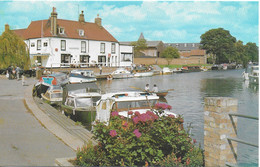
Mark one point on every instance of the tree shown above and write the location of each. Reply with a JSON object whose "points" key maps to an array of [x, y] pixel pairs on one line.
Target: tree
{"points": [[170, 53], [240, 56], [13, 51], [220, 43], [252, 51], [139, 46]]}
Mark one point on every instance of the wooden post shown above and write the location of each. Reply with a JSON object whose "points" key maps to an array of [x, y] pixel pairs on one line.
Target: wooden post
{"points": [[217, 128]]}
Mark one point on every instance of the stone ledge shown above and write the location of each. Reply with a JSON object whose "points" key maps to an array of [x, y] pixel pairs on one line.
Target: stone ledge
{"points": [[64, 161]]}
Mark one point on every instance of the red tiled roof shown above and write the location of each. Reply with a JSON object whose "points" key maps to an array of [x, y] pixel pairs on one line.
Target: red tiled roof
{"points": [[42, 28]]}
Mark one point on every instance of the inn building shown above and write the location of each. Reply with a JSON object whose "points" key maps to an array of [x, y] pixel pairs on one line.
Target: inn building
{"points": [[60, 43]]}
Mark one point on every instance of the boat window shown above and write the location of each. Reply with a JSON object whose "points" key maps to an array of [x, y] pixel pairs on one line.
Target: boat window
{"points": [[70, 102], [56, 95], [84, 102], [135, 104]]}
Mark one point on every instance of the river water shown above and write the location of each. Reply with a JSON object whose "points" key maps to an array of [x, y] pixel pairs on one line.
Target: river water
{"points": [[187, 99]]}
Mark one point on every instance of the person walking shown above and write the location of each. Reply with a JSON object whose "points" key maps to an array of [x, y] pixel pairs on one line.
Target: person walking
{"points": [[100, 69], [17, 73]]}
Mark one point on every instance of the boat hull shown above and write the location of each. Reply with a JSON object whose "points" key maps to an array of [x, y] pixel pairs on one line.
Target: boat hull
{"points": [[143, 74]]}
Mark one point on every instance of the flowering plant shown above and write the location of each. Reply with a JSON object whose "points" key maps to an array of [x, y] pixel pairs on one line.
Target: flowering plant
{"points": [[144, 139]]}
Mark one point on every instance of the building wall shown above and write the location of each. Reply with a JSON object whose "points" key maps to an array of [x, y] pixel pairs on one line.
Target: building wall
{"points": [[150, 52], [162, 61], [73, 47]]}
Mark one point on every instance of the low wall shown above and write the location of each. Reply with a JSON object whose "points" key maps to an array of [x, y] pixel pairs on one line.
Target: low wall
{"points": [[163, 61]]}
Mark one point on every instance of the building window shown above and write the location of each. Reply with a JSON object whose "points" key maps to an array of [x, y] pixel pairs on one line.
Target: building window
{"points": [[81, 33], [185, 45], [193, 45], [63, 45], [102, 48], [83, 46], [126, 57], [65, 58], [102, 60], [32, 44], [84, 58], [45, 44], [39, 44], [113, 48], [61, 31]]}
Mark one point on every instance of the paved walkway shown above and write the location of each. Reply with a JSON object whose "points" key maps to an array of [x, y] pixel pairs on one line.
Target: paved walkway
{"points": [[23, 140]]}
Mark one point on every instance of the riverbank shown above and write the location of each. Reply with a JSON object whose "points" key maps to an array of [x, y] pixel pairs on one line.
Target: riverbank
{"points": [[24, 141]]}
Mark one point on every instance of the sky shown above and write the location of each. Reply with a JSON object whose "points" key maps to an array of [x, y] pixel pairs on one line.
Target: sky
{"points": [[167, 21]]}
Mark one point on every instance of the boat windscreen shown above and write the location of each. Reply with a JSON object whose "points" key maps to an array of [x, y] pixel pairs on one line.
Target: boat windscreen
{"points": [[135, 104], [84, 102], [56, 95]]}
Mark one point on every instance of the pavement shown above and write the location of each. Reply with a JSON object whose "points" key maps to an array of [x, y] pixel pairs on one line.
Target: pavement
{"points": [[23, 139]]}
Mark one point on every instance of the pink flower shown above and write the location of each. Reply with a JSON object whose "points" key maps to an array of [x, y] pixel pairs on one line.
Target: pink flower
{"points": [[171, 116], [130, 112], [114, 113], [136, 120], [194, 141], [112, 133], [137, 113], [137, 133], [126, 124]]}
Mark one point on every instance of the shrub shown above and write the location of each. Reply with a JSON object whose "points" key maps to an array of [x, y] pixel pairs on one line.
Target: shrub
{"points": [[144, 139]]}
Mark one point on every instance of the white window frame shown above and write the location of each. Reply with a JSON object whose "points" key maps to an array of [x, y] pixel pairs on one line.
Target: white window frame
{"points": [[61, 30], [102, 47], [39, 44], [113, 48], [83, 47], [63, 42], [81, 33]]}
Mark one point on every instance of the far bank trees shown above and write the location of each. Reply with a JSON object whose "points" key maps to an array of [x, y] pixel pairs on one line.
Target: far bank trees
{"points": [[170, 53], [13, 50], [224, 48]]}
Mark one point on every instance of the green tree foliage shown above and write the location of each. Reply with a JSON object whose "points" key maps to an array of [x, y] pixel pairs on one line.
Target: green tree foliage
{"points": [[220, 43], [252, 51], [13, 51], [170, 53], [139, 46]]}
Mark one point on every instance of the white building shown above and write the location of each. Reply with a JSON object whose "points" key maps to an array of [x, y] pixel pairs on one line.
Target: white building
{"points": [[57, 42]]}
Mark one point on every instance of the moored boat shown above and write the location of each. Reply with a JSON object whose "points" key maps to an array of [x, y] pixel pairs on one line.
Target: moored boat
{"points": [[80, 76], [191, 69], [166, 71], [53, 95], [121, 73], [123, 102], [143, 72]]}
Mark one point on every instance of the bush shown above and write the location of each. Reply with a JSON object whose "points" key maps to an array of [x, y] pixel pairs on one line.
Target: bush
{"points": [[144, 139]]}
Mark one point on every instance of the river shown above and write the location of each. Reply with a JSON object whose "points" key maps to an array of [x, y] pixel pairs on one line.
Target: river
{"points": [[187, 99]]}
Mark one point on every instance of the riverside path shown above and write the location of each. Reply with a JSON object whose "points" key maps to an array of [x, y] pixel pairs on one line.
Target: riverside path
{"points": [[23, 140]]}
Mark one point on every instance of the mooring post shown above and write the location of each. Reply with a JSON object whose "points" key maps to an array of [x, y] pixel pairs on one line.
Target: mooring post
{"points": [[217, 128]]}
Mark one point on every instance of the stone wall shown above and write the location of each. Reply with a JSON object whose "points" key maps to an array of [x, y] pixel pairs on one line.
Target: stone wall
{"points": [[163, 61], [217, 127]]}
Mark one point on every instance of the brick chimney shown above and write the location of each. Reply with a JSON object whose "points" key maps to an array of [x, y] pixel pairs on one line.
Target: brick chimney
{"points": [[98, 20], [54, 22], [81, 17], [7, 27]]}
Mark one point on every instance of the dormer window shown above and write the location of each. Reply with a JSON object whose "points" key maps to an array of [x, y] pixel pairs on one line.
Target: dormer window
{"points": [[61, 30], [81, 33]]}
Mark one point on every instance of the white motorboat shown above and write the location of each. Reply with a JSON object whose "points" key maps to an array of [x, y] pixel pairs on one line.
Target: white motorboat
{"points": [[121, 73], [166, 70], [122, 102], [80, 76], [254, 75], [53, 95], [143, 72]]}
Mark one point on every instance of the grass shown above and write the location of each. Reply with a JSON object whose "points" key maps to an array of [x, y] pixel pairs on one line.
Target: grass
{"points": [[180, 65]]}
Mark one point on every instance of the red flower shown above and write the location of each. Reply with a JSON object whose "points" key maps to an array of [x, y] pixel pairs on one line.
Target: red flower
{"points": [[130, 112], [171, 116], [137, 133], [194, 141], [114, 113], [112, 133]]}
